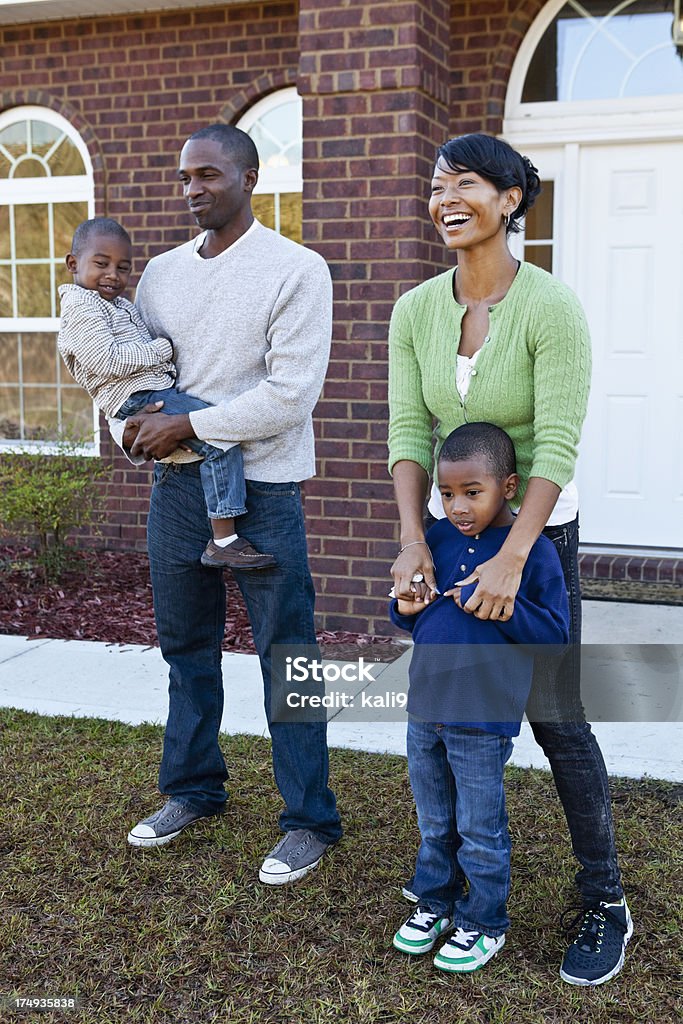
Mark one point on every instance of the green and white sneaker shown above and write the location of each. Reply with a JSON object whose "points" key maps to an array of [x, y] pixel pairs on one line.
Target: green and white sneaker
{"points": [[467, 951], [419, 933]]}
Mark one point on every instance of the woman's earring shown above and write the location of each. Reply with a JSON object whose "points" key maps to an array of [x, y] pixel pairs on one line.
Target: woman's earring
{"points": [[507, 221]]}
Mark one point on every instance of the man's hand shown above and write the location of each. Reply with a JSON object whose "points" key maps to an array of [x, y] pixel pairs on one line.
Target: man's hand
{"points": [[133, 423], [158, 436]]}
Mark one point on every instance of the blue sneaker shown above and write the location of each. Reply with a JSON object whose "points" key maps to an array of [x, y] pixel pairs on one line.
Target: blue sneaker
{"points": [[597, 953], [419, 933]]}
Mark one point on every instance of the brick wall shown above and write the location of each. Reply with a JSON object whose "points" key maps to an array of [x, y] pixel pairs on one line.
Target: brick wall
{"points": [[374, 81], [383, 83], [135, 87]]}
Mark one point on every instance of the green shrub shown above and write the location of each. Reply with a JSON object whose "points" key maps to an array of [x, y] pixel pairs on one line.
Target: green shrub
{"points": [[44, 497]]}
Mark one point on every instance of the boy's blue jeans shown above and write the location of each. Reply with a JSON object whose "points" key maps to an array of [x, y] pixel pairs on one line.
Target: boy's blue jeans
{"points": [[456, 775], [189, 607], [222, 472]]}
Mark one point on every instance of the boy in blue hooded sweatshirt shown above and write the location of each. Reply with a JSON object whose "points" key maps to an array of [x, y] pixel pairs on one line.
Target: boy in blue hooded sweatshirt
{"points": [[469, 683]]}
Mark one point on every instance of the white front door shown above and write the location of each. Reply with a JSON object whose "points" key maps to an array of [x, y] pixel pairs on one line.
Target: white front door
{"points": [[618, 241]]}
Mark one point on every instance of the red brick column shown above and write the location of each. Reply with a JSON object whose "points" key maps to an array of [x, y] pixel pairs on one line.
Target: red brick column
{"points": [[374, 79]]}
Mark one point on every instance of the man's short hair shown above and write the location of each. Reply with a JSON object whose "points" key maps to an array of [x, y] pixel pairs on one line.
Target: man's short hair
{"points": [[97, 226], [236, 143], [481, 439]]}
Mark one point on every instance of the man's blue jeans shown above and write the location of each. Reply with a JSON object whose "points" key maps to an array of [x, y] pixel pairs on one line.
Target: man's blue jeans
{"points": [[189, 606], [456, 775], [559, 725], [221, 472]]}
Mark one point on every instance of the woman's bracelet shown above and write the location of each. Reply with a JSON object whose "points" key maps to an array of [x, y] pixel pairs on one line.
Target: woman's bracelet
{"points": [[410, 544]]}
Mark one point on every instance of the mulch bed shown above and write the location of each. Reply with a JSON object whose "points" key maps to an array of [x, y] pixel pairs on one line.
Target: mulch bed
{"points": [[107, 596]]}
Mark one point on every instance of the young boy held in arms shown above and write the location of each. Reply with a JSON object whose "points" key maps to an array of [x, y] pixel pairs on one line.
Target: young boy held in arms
{"points": [[109, 351]]}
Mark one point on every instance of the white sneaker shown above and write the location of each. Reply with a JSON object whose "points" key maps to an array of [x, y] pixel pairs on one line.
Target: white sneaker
{"points": [[467, 951], [419, 933]]}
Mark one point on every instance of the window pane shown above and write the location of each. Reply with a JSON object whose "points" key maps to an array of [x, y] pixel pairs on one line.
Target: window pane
{"points": [[290, 215], [598, 50], [4, 232], [66, 159], [13, 138], [4, 166], [67, 217], [539, 219], [29, 169], [31, 231], [40, 414], [264, 209], [5, 292], [62, 276], [9, 359], [38, 358], [10, 416], [33, 291], [540, 255], [77, 415], [43, 136]]}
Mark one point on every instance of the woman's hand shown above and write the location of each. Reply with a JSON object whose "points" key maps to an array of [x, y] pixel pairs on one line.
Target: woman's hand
{"points": [[414, 560], [497, 582]]}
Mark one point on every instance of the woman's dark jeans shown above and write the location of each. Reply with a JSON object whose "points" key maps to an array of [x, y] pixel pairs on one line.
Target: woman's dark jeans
{"points": [[559, 725]]}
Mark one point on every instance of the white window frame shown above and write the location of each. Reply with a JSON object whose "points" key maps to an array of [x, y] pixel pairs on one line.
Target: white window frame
{"points": [[636, 118], [274, 180], [60, 188]]}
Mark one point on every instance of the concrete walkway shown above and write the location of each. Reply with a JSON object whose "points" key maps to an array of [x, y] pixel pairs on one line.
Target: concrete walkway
{"points": [[129, 684]]}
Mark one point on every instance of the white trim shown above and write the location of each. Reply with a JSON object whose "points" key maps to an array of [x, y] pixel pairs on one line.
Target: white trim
{"points": [[23, 11], [513, 100], [274, 179], [34, 113], [625, 119], [50, 191]]}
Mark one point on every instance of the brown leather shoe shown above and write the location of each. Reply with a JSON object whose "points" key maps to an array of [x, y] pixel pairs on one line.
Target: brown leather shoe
{"points": [[238, 555]]}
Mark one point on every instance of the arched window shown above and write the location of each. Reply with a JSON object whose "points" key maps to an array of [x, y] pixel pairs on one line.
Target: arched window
{"points": [[46, 189], [593, 50], [275, 125]]}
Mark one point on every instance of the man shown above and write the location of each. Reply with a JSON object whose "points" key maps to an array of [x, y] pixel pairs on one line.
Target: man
{"points": [[249, 315]]}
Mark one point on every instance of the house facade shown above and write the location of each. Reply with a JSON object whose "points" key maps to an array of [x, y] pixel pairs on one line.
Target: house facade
{"points": [[347, 101]]}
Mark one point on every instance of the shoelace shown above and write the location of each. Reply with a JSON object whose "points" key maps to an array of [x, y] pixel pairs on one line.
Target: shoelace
{"points": [[423, 919], [464, 938], [593, 921]]}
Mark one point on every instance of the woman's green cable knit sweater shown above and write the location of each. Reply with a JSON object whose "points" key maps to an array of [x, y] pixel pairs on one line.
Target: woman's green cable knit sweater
{"points": [[531, 378]]}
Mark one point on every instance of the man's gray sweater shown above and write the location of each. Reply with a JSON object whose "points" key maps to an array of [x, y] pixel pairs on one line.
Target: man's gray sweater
{"points": [[251, 333]]}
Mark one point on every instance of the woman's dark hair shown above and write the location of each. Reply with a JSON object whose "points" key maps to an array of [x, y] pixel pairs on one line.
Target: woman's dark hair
{"points": [[499, 163], [481, 439]]}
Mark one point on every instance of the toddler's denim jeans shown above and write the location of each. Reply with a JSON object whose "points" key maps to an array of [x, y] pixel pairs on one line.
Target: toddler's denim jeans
{"points": [[221, 472]]}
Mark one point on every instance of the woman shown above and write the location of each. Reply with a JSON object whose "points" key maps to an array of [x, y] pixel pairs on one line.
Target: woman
{"points": [[495, 340]]}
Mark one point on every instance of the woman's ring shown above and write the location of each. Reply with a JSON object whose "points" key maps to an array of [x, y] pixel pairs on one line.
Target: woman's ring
{"points": [[418, 578]]}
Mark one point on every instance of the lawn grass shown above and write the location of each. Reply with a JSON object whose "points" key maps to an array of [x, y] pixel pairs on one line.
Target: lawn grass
{"points": [[187, 934]]}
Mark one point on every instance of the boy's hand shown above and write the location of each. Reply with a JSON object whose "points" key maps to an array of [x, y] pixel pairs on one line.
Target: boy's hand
{"points": [[418, 604]]}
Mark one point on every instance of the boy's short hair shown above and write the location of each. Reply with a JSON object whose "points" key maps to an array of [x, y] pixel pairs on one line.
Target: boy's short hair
{"points": [[485, 439], [97, 226]]}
